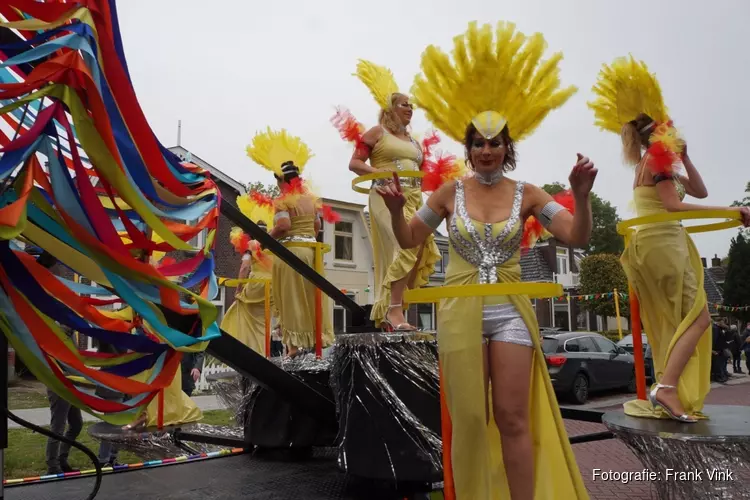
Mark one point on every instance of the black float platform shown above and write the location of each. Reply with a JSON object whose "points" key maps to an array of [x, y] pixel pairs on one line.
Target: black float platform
{"points": [[228, 478], [706, 459]]}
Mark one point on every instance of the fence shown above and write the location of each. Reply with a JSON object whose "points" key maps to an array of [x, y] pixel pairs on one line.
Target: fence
{"points": [[202, 384]]}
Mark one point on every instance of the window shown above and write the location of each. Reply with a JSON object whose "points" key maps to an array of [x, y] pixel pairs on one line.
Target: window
{"points": [[606, 345], [441, 266], [587, 344], [219, 303], [321, 232], [581, 344], [425, 316], [341, 318], [200, 239], [549, 345], [562, 260], [343, 240]]}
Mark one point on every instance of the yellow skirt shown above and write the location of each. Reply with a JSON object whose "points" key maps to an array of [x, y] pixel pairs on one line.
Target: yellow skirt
{"points": [[245, 319], [665, 270], [178, 407], [294, 299], [393, 263]]}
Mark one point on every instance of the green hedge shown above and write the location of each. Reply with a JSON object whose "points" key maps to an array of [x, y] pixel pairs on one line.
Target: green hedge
{"points": [[614, 335]]}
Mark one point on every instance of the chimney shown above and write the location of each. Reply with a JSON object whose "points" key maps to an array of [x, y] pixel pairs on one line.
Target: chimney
{"points": [[703, 259], [716, 261]]}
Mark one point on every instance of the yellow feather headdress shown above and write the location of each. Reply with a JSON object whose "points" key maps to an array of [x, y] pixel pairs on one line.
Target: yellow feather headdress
{"points": [[257, 207], [379, 80], [624, 90], [491, 83], [270, 149]]}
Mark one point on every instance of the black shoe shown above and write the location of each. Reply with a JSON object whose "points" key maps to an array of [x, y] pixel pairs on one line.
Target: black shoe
{"points": [[66, 468], [54, 471]]}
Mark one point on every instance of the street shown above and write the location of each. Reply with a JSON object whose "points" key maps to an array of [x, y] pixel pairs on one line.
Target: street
{"points": [[613, 455]]}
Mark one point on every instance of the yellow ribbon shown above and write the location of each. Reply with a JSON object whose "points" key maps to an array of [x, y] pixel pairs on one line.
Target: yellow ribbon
{"points": [[381, 175], [531, 290]]}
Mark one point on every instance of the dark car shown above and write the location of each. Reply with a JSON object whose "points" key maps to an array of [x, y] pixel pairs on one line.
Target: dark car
{"points": [[648, 360], [583, 362]]}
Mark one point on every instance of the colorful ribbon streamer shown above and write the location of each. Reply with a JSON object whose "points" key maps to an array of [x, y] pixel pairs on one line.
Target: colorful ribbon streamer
{"points": [[107, 200]]}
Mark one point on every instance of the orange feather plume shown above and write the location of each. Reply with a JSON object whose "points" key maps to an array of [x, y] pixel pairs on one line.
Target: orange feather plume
{"points": [[533, 229]]}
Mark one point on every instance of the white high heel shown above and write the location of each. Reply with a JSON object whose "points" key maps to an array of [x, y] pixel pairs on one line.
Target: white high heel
{"points": [[685, 418]]}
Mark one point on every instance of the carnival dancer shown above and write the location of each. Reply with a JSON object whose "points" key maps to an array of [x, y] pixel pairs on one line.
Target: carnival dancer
{"points": [[390, 147], [297, 221], [661, 261], [495, 377], [245, 319]]}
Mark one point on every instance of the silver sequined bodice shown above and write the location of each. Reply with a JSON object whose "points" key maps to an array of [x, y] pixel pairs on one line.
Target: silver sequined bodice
{"points": [[489, 252]]}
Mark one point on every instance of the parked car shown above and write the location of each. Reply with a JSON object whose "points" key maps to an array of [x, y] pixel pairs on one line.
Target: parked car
{"points": [[581, 363], [648, 360]]}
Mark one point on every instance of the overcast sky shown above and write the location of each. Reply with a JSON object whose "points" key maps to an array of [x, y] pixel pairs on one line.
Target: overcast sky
{"points": [[230, 68]]}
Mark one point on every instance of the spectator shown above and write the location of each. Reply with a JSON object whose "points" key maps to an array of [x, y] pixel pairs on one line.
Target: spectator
{"points": [[746, 346], [192, 366], [62, 412], [736, 349], [720, 351], [107, 450]]}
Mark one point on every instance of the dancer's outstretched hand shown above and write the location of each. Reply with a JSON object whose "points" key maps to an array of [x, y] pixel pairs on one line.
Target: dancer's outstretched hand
{"points": [[582, 176], [392, 194]]}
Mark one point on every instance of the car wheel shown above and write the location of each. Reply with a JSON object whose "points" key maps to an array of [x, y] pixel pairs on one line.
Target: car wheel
{"points": [[580, 389], [632, 387]]}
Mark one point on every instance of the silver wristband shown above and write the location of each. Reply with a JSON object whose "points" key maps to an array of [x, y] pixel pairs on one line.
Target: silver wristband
{"points": [[429, 217], [281, 215], [551, 209]]}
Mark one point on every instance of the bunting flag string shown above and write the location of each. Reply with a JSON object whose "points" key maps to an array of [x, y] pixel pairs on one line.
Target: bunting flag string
{"points": [[84, 180], [624, 296]]}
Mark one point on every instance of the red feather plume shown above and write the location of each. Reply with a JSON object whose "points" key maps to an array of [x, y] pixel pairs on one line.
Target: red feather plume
{"points": [[532, 228], [330, 215], [437, 172], [428, 142], [661, 159], [261, 199], [349, 128]]}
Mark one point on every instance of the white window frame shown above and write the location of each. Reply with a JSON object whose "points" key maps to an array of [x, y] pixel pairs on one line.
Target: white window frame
{"points": [[562, 256], [220, 303], [343, 234]]}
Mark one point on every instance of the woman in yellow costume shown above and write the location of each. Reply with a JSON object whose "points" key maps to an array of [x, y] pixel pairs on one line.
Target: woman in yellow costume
{"points": [[508, 438], [389, 147], [246, 318], [661, 262], [297, 221]]}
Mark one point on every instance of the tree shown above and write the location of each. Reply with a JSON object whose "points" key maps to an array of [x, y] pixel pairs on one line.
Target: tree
{"points": [[737, 284], [601, 274], [271, 190], [604, 237]]}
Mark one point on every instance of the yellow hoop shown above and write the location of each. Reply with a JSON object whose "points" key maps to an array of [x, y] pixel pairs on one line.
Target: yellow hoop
{"points": [[733, 219], [381, 175], [230, 282], [532, 290]]}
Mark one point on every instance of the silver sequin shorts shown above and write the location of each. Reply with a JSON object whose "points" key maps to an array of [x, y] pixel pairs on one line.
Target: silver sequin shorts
{"points": [[503, 323]]}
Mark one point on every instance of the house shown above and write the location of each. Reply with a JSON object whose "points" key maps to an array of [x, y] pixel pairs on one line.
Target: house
{"points": [[717, 271], [348, 265], [226, 259], [713, 284]]}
